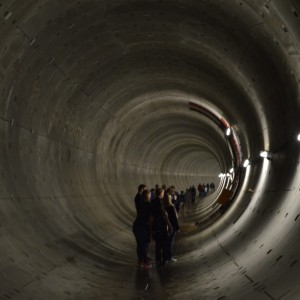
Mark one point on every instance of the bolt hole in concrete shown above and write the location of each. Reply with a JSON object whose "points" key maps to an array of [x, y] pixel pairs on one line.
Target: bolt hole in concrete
{"points": [[108, 98]]}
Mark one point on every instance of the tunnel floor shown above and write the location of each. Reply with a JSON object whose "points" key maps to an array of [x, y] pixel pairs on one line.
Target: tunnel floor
{"points": [[109, 270]]}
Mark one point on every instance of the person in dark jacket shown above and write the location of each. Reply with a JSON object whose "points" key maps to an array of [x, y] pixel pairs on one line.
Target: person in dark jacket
{"points": [[173, 217], [142, 229], [161, 228], [138, 197]]}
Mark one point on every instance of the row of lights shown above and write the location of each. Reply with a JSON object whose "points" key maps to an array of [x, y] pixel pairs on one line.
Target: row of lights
{"points": [[222, 175], [263, 154]]}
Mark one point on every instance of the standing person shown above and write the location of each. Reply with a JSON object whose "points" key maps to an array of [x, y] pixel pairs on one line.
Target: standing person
{"points": [[193, 192], [138, 197], [173, 194], [181, 202], [152, 195], [161, 228], [173, 217], [200, 189], [142, 229], [207, 185], [187, 199], [203, 187], [205, 190]]}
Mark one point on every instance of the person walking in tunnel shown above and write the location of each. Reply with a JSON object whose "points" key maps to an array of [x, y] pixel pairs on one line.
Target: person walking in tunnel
{"points": [[142, 229], [138, 197], [173, 218], [161, 228]]}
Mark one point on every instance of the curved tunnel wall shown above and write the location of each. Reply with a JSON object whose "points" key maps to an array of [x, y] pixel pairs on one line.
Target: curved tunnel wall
{"points": [[94, 100]]}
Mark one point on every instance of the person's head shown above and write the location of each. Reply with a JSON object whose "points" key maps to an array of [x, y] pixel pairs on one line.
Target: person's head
{"points": [[156, 186], [181, 192], [141, 188], [172, 189], [160, 193], [146, 195], [164, 187]]}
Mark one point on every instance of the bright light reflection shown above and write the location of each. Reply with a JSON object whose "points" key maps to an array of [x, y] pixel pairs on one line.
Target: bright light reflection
{"points": [[228, 131], [246, 163], [264, 154]]}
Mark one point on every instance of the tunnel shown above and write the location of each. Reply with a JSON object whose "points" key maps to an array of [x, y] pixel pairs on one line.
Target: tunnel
{"points": [[98, 97]]}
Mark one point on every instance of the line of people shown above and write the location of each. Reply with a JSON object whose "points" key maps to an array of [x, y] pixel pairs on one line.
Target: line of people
{"points": [[203, 189], [156, 219]]}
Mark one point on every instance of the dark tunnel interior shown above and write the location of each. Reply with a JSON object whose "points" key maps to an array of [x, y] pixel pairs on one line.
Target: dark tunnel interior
{"points": [[100, 96]]}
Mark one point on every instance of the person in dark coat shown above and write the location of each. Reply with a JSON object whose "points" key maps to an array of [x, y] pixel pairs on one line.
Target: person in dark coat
{"points": [[142, 229], [138, 197], [173, 218], [161, 228]]}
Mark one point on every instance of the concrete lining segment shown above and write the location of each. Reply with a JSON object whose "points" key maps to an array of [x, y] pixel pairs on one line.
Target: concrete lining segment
{"points": [[94, 100]]}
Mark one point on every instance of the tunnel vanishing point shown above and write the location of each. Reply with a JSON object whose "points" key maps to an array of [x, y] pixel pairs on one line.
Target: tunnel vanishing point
{"points": [[100, 96]]}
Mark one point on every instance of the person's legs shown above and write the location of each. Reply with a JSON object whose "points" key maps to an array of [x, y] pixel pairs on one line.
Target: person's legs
{"points": [[144, 249], [171, 239], [138, 248]]}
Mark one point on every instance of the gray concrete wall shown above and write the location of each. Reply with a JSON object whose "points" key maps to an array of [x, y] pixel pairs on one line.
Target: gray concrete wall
{"points": [[95, 99]]}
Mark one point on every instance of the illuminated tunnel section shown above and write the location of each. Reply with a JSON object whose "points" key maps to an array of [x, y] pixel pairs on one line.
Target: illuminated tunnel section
{"points": [[99, 96]]}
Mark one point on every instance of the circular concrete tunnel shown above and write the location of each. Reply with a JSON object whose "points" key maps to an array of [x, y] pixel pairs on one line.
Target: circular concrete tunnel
{"points": [[96, 98]]}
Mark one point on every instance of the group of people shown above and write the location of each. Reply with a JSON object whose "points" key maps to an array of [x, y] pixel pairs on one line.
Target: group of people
{"points": [[156, 219], [203, 189]]}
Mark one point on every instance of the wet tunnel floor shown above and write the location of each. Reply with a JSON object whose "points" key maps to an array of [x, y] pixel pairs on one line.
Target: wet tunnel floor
{"points": [[195, 275], [110, 271]]}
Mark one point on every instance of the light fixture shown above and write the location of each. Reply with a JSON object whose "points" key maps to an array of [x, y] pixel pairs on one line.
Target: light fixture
{"points": [[246, 163], [228, 131], [298, 137], [231, 170], [265, 154]]}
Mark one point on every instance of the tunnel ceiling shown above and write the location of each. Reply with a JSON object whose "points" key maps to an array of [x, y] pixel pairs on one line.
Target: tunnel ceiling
{"points": [[96, 98]]}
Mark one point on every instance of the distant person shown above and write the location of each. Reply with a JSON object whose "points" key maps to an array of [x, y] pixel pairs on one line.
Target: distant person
{"points": [[141, 229], [187, 199], [203, 187], [173, 194], [212, 186], [205, 190], [152, 195], [193, 193], [181, 202], [207, 185], [200, 189], [138, 197], [161, 228], [172, 214]]}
